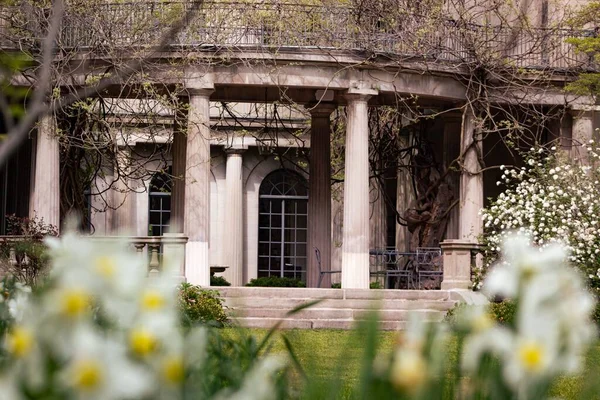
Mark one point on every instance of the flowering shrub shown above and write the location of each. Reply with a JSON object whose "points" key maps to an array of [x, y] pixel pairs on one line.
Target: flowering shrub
{"points": [[99, 328], [551, 199]]}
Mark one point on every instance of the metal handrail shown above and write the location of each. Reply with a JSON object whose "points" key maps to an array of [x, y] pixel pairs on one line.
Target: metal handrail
{"points": [[104, 27]]}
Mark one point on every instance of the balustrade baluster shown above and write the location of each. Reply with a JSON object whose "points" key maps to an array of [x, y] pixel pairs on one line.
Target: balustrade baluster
{"points": [[154, 263]]}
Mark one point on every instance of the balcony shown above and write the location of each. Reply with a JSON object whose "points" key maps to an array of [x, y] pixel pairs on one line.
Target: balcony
{"points": [[114, 29]]}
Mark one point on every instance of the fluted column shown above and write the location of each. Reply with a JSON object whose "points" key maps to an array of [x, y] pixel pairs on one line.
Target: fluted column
{"points": [[197, 188], [355, 248], [471, 181], [122, 195], [452, 129], [234, 216], [319, 202], [45, 195], [178, 154]]}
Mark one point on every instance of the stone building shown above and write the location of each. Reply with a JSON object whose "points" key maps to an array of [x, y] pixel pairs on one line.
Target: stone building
{"points": [[240, 206]]}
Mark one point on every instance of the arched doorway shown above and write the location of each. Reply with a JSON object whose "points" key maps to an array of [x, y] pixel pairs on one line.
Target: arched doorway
{"points": [[160, 203], [282, 225]]}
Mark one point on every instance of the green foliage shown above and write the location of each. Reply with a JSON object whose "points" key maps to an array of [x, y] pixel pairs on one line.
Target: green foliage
{"points": [[200, 306], [275, 281], [587, 83], [336, 285], [502, 312], [218, 281], [375, 285]]}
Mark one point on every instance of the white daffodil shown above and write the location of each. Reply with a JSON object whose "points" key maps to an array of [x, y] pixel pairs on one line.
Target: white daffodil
{"points": [[98, 368], [259, 382], [495, 341]]}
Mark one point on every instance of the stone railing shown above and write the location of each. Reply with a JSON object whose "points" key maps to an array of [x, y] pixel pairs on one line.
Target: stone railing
{"points": [[102, 28], [154, 248]]}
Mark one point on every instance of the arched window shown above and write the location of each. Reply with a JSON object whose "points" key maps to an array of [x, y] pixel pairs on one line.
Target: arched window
{"points": [[282, 225], [160, 203]]}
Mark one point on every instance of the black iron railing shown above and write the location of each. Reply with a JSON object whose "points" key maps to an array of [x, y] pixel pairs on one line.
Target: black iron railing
{"points": [[108, 28]]}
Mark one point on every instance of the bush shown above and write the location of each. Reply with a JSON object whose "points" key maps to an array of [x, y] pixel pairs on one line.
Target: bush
{"points": [[502, 312], [375, 285], [218, 281], [275, 281], [200, 306], [336, 285]]}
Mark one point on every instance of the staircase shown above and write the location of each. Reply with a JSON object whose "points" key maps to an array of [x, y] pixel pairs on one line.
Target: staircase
{"points": [[257, 307]]}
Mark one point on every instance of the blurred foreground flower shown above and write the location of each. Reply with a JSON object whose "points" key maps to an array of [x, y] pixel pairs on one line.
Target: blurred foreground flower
{"points": [[100, 328]]}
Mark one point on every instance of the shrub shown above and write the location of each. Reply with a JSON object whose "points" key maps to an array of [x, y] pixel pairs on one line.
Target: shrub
{"points": [[375, 285], [336, 285], [551, 199], [218, 281], [200, 306], [275, 281], [502, 312], [30, 252]]}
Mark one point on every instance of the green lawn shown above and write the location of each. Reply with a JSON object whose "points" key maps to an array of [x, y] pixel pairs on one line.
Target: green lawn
{"points": [[329, 353]]}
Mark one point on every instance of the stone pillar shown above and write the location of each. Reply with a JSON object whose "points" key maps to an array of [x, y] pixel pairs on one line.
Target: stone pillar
{"points": [[319, 202], [457, 259], [234, 217], [178, 154], [197, 188], [452, 129], [355, 248], [471, 181], [583, 132], [45, 194], [122, 195], [405, 195]]}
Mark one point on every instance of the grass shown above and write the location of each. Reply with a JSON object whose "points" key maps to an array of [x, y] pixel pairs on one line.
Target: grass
{"points": [[326, 354]]}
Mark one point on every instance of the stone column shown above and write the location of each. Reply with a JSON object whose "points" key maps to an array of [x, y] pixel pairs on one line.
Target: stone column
{"points": [[122, 195], [583, 132], [471, 181], [234, 217], [319, 202], [197, 188], [355, 248], [452, 129], [45, 194], [405, 195], [178, 154]]}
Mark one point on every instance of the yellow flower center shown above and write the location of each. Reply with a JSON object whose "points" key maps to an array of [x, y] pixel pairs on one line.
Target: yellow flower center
{"points": [[172, 369], [152, 300], [87, 375], [531, 356], [19, 342], [482, 322], [409, 371], [74, 302], [105, 266], [142, 342]]}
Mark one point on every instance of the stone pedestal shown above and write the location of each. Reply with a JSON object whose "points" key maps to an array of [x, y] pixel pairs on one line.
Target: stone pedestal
{"points": [[355, 247], [319, 202], [234, 217], [471, 181], [583, 132], [45, 194], [197, 188], [174, 253], [457, 260]]}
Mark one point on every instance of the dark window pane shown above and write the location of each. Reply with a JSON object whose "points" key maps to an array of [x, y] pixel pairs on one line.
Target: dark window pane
{"points": [[166, 203], [290, 235], [276, 235], [154, 218], [263, 220], [301, 222], [289, 250], [276, 206], [276, 264], [156, 231], [263, 249], [290, 221], [302, 207], [155, 202], [275, 249], [263, 235], [166, 217], [263, 206], [263, 262], [301, 250], [301, 235], [275, 220]]}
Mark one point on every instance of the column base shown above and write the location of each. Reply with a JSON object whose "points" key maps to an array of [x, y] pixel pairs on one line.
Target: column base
{"points": [[197, 267], [355, 271]]}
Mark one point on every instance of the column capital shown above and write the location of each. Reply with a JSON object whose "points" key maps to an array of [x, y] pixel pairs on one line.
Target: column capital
{"points": [[360, 93], [235, 150], [321, 109], [200, 91]]}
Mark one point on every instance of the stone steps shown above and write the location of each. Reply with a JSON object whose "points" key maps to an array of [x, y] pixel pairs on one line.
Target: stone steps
{"points": [[337, 309]]}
